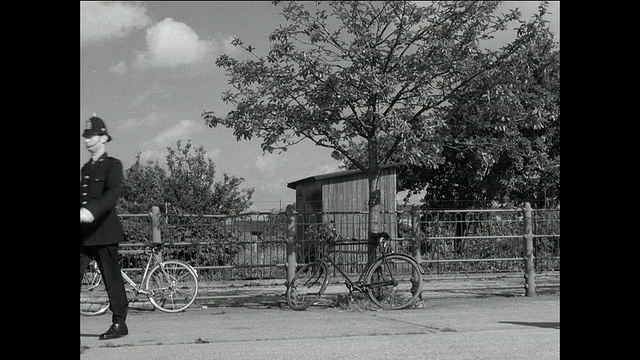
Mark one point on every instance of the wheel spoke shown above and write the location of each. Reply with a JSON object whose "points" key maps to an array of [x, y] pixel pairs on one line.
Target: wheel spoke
{"points": [[307, 286], [93, 295], [173, 287], [394, 282]]}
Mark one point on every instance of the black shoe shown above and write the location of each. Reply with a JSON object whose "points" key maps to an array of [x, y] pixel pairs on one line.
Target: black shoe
{"points": [[115, 331]]}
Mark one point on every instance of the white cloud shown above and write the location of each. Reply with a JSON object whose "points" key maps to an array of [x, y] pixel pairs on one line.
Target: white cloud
{"points": [[224, 44], [152, 119], [308, 169], [104, 20], [156, 148], [120, 68], [170, 44], [168, 137], [271, 186], [266, 162], [215, 154], [157, 91], [329, 168]]}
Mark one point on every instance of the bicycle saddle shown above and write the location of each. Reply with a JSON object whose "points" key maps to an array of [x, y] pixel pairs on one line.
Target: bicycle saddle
{"points": [[378, 235]]}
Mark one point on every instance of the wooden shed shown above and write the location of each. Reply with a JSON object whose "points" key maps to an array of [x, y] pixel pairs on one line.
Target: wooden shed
{"points": [[344, 197]]}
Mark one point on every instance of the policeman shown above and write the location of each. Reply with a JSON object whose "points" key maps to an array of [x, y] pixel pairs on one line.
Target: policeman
{"points": [[100, 228]]}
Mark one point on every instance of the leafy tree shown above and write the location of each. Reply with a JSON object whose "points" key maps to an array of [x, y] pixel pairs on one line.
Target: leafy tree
{"points": [[371, 80], [142, 188], [191, 187], [511, 115], [228, 196]]}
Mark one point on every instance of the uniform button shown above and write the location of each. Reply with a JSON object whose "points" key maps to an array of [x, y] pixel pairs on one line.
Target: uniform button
{"points": [[86, 176], [83, 194], [84, 202], [85, 185]]}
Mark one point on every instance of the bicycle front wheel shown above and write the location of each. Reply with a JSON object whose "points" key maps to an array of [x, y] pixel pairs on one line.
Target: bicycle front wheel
{"points": [[94, 299], [92, 277], [307, 286], [394, 281], [172, 286]]}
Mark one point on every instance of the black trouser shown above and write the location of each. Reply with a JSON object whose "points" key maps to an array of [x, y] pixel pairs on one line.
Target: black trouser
{"points": [[107, 258]]}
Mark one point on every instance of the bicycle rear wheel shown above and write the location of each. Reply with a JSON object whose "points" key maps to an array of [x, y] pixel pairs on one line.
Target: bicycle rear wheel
{"points": [[307, 285], [172, 287], [394, 281], [94, 299]]}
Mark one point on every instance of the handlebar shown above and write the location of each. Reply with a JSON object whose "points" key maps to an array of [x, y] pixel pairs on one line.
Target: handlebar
{"points": [[331, 225]]}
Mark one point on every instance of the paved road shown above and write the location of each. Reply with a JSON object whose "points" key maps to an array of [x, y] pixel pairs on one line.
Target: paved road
{"points": [[495, 327]]}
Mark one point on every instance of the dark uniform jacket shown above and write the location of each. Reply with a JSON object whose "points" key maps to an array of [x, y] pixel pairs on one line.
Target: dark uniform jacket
{"points": [[100, 188]]}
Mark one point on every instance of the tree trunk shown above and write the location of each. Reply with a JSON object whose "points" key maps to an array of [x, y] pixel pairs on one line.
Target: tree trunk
{"points": [[375, 221]]}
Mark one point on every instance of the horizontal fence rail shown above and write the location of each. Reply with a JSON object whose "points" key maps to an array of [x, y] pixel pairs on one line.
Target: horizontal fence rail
{"points": [[261, 245]]}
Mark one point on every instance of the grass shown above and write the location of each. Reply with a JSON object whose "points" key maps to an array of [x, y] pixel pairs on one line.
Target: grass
{"points": [[112, 345], [354, 302], [360, 302]]}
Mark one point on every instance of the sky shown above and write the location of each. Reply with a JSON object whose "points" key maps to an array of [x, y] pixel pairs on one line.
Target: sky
{"points": [[148, 70]]}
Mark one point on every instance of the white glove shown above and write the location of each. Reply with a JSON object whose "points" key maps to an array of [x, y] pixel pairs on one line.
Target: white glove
{"points": [[86, 216]]}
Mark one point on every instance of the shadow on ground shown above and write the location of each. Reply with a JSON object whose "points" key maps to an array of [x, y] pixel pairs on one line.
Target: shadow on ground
{"points": [[489, 292], [90, 335], [274, 297], [248, 298], [270, 297], [549, 325]]}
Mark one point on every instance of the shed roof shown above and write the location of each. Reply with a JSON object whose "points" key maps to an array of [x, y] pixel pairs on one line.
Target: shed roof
{"points": [[294, 184]]}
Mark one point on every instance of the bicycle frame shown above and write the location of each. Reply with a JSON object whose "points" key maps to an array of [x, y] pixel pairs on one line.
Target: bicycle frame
{"points": [[138, 288], [348, 282], [330, 248]]}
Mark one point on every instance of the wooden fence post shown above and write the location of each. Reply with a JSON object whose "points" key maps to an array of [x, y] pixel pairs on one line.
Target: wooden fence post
{"points": [[291, 243], [529, 273], [416, 238], [155, 225], [156, 237]]}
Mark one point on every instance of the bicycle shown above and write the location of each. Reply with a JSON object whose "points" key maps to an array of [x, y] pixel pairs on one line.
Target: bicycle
{"points": [[392, 281], [171, 286], [91, 277]]}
